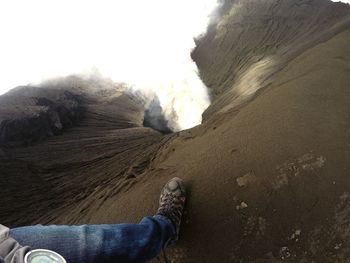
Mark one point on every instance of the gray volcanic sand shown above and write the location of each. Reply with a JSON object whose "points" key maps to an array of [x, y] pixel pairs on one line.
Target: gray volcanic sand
{"points": [[267, 171]]}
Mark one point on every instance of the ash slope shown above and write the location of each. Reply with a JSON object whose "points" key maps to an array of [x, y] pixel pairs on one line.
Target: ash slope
{"points": [[253, 40], [68, 145], [267, 170]]}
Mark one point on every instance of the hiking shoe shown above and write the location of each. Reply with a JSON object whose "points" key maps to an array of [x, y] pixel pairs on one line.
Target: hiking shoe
{"points": [[172, 202]]}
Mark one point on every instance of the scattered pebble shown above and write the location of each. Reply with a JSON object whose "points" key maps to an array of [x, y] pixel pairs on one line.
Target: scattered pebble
{"points": [[246, 179], [338, 246], [296, 235], [284, 253], [241, 206]]}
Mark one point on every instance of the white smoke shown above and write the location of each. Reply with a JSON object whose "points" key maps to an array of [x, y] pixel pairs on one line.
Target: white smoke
{"points": [[181, 94], [146, 44]]}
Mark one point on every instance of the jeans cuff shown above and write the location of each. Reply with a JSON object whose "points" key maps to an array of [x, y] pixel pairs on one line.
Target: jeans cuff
{"points": [[172, 239]]}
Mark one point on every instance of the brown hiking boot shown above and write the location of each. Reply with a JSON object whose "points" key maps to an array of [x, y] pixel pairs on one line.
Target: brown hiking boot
{"points": [[172, 202]]}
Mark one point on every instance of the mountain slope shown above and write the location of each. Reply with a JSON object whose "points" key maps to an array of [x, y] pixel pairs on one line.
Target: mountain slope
{"points": [[255, 39], [64, 143]]}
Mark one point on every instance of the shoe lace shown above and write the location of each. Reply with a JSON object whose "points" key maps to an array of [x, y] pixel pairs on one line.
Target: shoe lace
{"points": [[170, 207]]}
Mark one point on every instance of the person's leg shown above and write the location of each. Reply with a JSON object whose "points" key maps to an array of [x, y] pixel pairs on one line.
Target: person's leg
{"points": [[101, 243]]}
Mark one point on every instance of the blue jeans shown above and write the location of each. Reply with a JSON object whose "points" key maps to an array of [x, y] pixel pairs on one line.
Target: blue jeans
{"points": [[101, 243]]}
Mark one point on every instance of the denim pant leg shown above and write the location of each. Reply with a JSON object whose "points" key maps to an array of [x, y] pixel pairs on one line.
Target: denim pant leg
{"points": [[100, 243]]}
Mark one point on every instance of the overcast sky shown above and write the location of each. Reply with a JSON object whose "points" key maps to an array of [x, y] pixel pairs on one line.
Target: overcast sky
{"points": [[129, 41]]}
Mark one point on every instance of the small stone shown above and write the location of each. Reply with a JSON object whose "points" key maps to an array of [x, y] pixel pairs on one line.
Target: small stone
{"points": [[244, 205], [241, 206], [338, 246], [284, 252], [296, 234], [246, 179]]}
